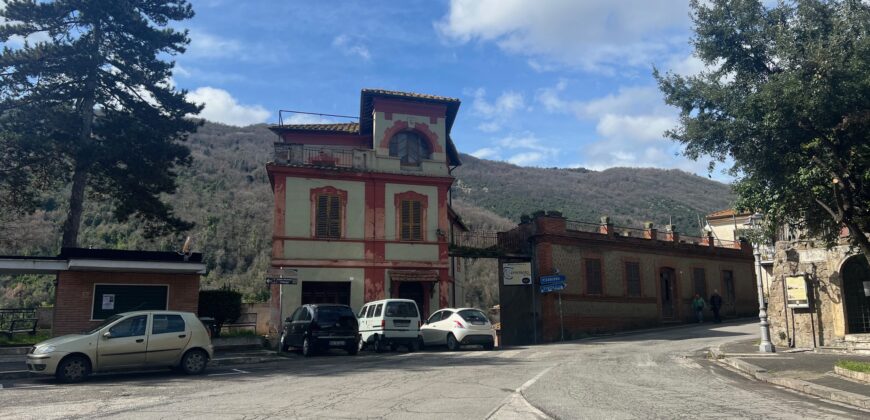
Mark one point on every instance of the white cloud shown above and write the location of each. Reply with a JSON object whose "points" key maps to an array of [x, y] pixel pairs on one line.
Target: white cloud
{"points": [[206, 45], [306, 119], [526, 158], [497, 112], [519, 149], [221, 107], [591, 34], [485, 153], [350, 47]]}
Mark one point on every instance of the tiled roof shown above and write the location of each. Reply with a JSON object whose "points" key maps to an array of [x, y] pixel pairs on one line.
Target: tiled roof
{"points": [[352, 128], [412, 95]]}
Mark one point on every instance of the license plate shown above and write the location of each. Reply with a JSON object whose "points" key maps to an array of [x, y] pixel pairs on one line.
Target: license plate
{"points": [[336, 343]]}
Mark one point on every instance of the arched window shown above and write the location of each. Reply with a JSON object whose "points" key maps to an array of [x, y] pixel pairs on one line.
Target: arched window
{"points": [[411, 147]]}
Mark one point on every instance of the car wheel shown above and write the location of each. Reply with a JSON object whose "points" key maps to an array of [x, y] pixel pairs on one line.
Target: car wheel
{"points": [[352, 349], [194, 362], [361, 344], [379, 345], [73, 369], [452, 344], [489, 346], [307, 349], [421, 344], [282, 345]]}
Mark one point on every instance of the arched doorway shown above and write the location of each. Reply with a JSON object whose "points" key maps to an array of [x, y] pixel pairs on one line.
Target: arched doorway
{"points": [[413, 290], [856, 287], [668, 292]]}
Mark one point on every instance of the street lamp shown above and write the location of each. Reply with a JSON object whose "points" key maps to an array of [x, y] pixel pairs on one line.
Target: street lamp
{"points": [[755, 224]]}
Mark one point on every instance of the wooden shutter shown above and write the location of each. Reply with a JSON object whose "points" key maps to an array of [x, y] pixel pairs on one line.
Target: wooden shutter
{"points": [[632, 278], [416, 221], [410, 220], [328, 217], [593, 276]]}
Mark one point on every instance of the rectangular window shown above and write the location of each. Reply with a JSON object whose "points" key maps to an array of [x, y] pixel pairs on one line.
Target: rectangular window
{"points": [[164, 323], [378, 309], [110, 299], [699, 278], [328, 217], [632, 279], [593, 277], [411, 220], [728, 285]]}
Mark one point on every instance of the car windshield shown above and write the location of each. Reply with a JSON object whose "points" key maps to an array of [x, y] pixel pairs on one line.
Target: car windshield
{"points": [[473, 316], [103, 324], [401, 309], [333, 314]]}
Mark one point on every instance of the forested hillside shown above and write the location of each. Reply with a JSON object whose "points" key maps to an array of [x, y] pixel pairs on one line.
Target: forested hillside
{"points": [[226, 193]]}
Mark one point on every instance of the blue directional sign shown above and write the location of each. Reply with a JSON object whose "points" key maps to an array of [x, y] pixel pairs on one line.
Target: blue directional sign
{"points": [[552, 283]]}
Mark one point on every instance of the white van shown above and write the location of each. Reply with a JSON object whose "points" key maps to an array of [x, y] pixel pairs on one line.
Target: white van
{"points": [[390, 323]]}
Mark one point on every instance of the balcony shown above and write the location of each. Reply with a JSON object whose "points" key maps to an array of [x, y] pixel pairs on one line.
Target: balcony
{"points": [[322, 156]]}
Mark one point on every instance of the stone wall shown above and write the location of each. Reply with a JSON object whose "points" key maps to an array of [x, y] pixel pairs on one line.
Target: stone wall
{"points": [[823, 324]]}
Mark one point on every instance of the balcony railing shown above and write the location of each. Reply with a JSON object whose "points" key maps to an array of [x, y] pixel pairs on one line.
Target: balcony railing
{"points": [[320, 156]]}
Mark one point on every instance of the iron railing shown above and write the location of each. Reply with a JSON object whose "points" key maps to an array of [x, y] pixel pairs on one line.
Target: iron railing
{"points": [[321, 156], [7, 316]]}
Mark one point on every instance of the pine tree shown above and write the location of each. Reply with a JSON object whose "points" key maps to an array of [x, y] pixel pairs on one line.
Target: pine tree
{"points": [[88, 101]]}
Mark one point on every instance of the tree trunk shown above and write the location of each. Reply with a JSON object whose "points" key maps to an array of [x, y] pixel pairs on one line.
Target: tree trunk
{"points": [[76, 203], [860, 237]]}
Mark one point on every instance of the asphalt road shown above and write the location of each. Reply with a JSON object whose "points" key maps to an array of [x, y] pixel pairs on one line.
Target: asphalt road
{"points": [[657, 374]]}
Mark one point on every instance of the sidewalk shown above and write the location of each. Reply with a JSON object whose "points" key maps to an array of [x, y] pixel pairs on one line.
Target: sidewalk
{"points": [[13, 366], [804, 371]]}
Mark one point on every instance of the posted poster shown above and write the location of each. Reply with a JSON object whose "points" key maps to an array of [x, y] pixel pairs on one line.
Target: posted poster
{"points": [[796, 287], [108, 302], [517, 274]]}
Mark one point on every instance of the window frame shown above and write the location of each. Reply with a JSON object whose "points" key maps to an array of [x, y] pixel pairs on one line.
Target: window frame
{"points": [[168, 323], [703, 293], [628, 288], [586, 268], [399, 203], [130, 319], [422, 148], [340, 221]]}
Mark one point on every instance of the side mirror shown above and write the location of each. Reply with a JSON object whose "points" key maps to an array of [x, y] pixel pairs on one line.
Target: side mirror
{"points": [[426, 322], [107, 334], [288, 319]]}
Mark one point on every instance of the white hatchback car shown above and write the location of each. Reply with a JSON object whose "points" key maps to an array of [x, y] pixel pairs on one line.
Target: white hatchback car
{"points": [[458, 327]]}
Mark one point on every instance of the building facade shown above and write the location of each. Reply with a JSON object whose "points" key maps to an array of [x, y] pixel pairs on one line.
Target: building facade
{"points": [[728, 226], [618, 278], [361, 209]]}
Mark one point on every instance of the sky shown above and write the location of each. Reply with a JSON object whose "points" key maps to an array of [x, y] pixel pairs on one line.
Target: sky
{"points": [[557, 83]]}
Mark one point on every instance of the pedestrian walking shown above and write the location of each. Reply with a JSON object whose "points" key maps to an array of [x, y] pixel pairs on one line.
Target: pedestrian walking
{"points": [[716, 305], [698, 307]]}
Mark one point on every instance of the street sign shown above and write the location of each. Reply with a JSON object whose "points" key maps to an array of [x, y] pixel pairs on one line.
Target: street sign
{"points": [[281, 281], [282, 276], [552, 283], [517, 274]]}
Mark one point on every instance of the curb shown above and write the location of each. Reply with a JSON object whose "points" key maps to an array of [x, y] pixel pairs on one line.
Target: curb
{"points": [[851, 374], [805, 387], [245, 360], [16, 374]]}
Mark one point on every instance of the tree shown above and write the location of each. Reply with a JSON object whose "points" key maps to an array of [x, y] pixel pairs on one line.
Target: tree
{"points": [[224, 305], [87, 101], [787, 97]]}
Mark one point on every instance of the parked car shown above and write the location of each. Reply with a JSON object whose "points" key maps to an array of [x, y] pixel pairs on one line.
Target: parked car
{"points": [[131, 340], [458, 327], [390, 323], [322, 326]]}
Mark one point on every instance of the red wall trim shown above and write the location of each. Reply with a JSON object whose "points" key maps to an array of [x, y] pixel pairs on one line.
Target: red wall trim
{"points": [[409, 179], [409, 108], [423, 265], [353, 240], [419, 128], [342, 199], [280, 204]]}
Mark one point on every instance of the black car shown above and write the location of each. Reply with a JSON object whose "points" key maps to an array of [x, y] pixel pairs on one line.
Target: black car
{"points": [[321, 326]]}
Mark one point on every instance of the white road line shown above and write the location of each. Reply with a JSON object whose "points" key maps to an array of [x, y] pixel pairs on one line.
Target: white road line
{"points": [[234, 372], [510, 354], [532, 381]]}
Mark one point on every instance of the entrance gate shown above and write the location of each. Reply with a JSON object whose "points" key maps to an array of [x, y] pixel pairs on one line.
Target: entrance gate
{"points": [[855, 274]]}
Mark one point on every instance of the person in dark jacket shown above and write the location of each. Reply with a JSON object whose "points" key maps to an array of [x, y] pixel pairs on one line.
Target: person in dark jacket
{"points": [[716, 305]]}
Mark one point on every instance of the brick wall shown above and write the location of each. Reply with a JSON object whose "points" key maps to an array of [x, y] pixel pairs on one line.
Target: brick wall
{"points": [[75, 290]]}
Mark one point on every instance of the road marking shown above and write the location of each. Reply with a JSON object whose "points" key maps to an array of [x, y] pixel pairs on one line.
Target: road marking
{"points": [[532, 381], [510, 354], [234, 372], [517, 398]]}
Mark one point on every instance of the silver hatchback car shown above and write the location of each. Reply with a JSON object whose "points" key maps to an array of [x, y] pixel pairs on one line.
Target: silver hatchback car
{"points": [[131, 340]]}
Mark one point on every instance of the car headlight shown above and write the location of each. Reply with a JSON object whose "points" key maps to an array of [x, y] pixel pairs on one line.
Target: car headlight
{"points": [[44, 350]]}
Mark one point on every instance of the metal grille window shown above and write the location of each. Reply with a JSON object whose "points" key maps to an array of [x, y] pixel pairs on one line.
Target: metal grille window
{"points": [[699, 278], [411, 220], [593, 276], [410, 147], [328, 224], [632, 279]]}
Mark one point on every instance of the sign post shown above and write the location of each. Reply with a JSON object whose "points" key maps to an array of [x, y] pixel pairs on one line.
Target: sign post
{"points": [[555, 283]]}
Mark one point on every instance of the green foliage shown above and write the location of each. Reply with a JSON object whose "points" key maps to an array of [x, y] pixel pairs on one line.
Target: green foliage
{"points": [[24, 339], [93, 105], [224, 305], [854, 365], [787, 97]]}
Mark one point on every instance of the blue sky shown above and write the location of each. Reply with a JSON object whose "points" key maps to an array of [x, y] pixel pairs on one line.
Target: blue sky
{"points": [[543, 83]]}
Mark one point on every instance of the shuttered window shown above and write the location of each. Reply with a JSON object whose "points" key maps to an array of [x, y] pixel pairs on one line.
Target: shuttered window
{"points": [[699, 278], [632, 279], [410, 147], [593, 276], [328, 223], [411, 220]]}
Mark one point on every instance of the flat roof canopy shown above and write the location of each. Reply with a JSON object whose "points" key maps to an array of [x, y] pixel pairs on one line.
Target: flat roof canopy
{"points": [[81, 259]]}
